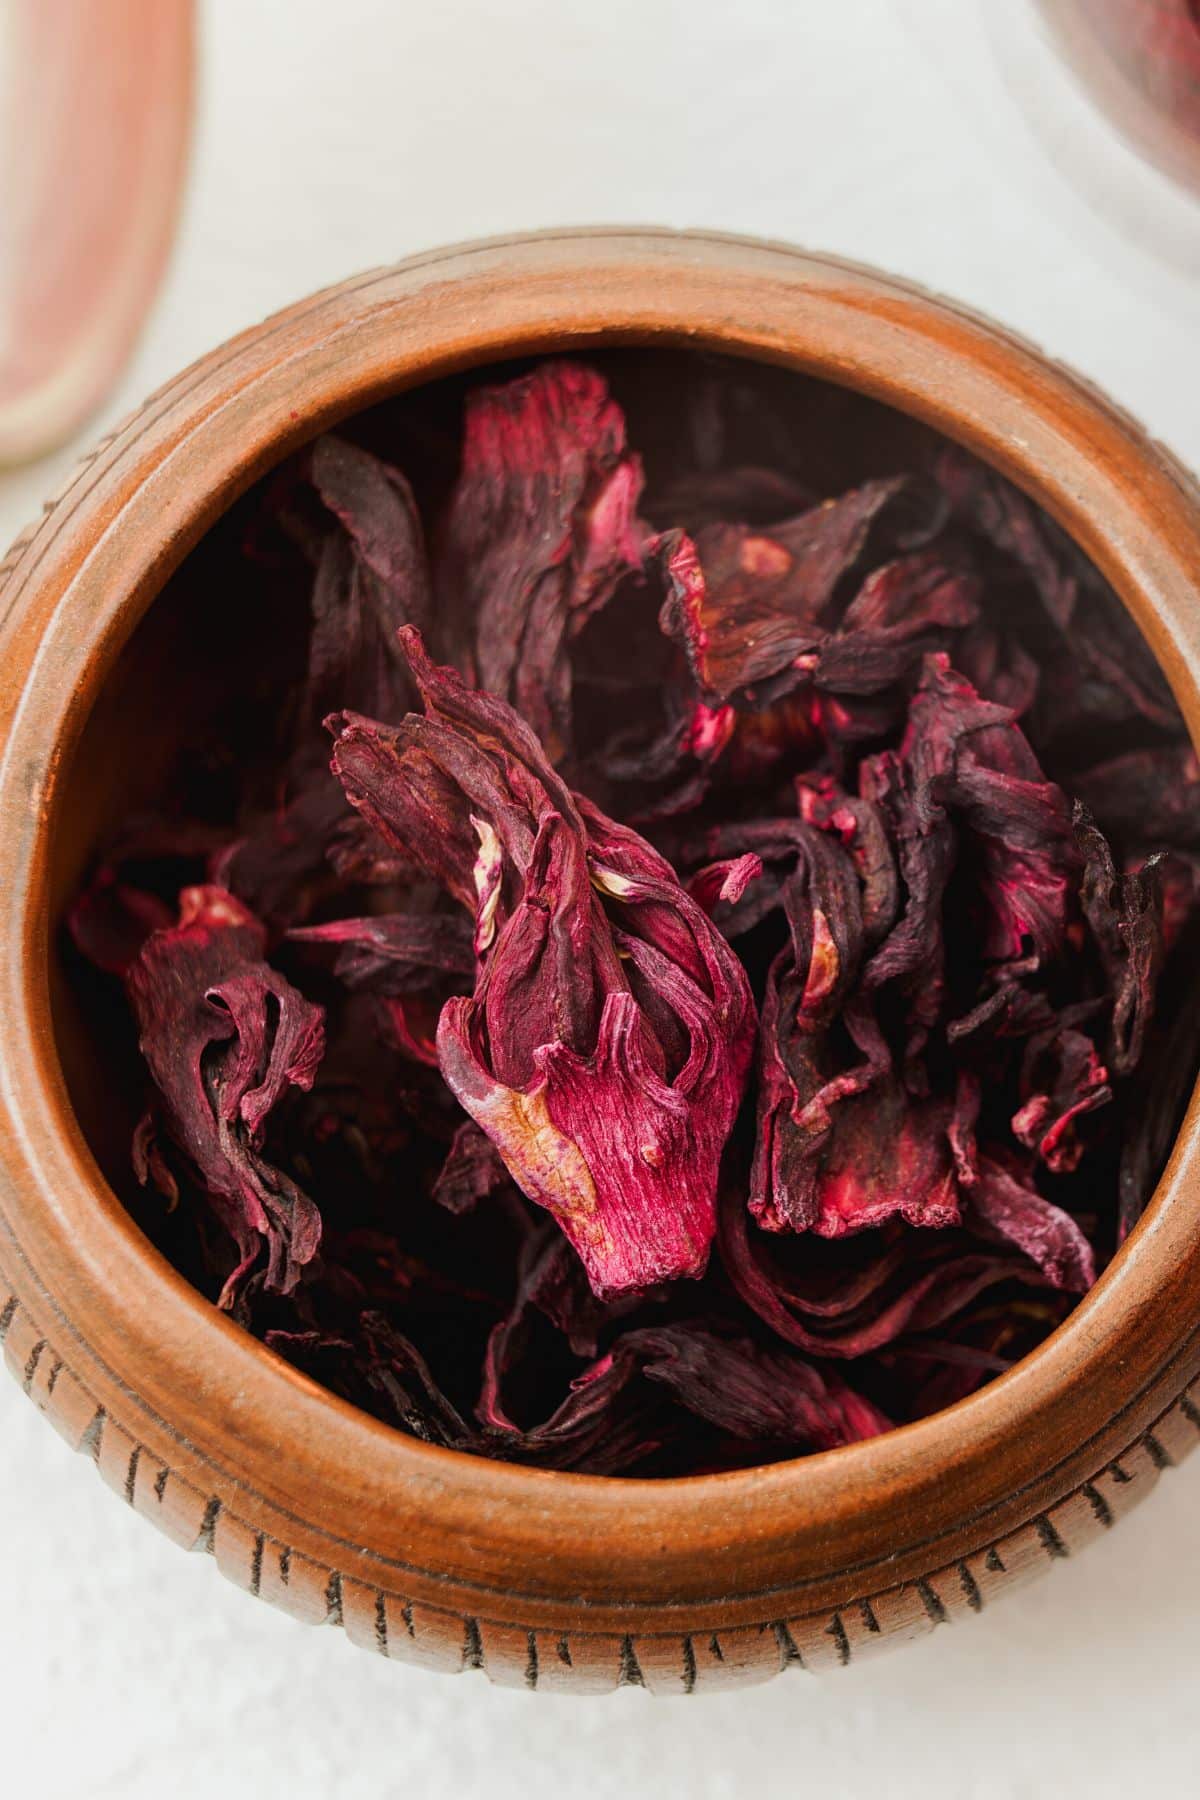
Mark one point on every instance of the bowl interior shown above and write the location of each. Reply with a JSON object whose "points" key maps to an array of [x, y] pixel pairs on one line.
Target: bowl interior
{"points": [[223, 643]]}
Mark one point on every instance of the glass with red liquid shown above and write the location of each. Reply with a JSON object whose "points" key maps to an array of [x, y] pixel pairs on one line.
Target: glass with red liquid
{"points": [[1140, 61]]}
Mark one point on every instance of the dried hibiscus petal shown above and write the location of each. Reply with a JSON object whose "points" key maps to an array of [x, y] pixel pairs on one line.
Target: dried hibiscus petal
{"points": [[1007, 1208], [746, 605], [224, 1036], [1101, 667], [969, 758], [376, 1365], [723, 883], [541, 527], [606, 1046], [596, 1423], [904, 610], [765, 1395], [1125, 916], [111, 920], [473, 1170], [280, 866], [371, 579], [1146, 797], [1062, 1080], [844, 1152], [905, 1291], [394, 950]]}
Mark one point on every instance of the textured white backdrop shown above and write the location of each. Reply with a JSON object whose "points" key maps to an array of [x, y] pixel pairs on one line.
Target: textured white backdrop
{"points": [[333, 136]]}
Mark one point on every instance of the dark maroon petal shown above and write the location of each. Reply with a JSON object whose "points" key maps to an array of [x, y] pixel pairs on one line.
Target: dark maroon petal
{"points": [[750, 747], [665, 768], [410, 1026], [359, 857], [394, 949], [756, 496], [473, 1170], [1161, 1088], [999, 668], [421, 784], [746, 605], [373, 1364], [111, 921], [541, 528], [375, 506], [1007, 1006], [703, 747], [586, 1432], [1124, 913], [1179, 882], [643, 898], [912, 953], [752, 1392], [1062, 1080], [1100, 669], [850, 1156], [979, 758], [1005, 517], [596, 1424], [861, 827], [903, 610], [391, 775], [910, 1293], [1007, 1209], [281, 868], [558, 1287], [551, 1282], [1146, 797], [224, 1037], [851, 1280], [964, 793], [151, 1163], [550, 961], [372, 578]]}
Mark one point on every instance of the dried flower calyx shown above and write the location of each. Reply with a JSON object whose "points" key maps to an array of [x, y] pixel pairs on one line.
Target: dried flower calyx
{"points": [[605, 1048]]}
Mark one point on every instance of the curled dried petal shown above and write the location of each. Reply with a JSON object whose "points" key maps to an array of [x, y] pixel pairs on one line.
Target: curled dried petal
{"points": [[400, 950], [607, 1043], [1050, 1237], [371, 579], [111, 920], [901, 1294], [542, 527], [224, 1037], [746, 605], [1063, 1079], [754, 1393], [1124, 913]]}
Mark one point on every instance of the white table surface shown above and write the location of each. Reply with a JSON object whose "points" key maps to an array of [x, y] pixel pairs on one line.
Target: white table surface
{"points": [[337, 134]]}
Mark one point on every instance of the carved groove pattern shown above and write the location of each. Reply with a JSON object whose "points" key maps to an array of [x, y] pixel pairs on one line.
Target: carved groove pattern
{"points": [[523, 1655]]}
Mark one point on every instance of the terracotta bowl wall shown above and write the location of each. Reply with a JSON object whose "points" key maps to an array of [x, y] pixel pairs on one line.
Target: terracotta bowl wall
{"points": [[545, 1579]]}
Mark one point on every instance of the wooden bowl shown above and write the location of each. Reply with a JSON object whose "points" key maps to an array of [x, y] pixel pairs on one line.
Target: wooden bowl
{"points": [[543, 1579]]}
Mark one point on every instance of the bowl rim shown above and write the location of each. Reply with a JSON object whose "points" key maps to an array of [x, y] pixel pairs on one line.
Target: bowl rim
{"points": [[74, 592]]}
